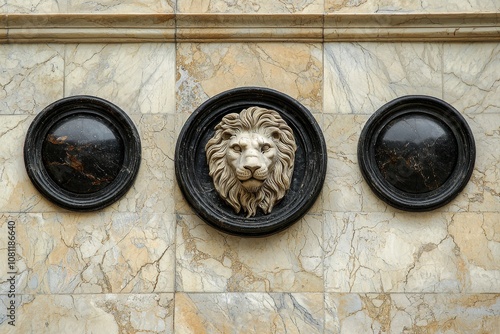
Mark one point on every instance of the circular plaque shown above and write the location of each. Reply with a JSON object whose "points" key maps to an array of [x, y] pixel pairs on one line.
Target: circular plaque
{"points": [[192, 170], [416, 153], [82, 153]]}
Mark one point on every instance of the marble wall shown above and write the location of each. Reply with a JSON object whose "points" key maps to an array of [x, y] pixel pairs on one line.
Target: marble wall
{"points": [[147, 264]]}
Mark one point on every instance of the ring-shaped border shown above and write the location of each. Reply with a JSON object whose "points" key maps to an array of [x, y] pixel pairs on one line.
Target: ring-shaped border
{"points": [[191, 167], [441, 111], [74, 106]]}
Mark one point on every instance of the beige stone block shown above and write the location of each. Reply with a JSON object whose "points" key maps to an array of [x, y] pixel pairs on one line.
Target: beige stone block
{"points": [[405, 6], [139, 78], [239, 7], [93, 313], [69, 253], [408, 252], [152, 191], [31, 77], [206, 69], [346, 190], [362, 77], [121, 6], [412, 313], [211, 261], [471, 82], [257, 313]]}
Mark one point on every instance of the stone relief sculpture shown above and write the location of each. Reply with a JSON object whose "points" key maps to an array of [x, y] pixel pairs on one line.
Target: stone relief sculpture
{"points": [[251, 159]]}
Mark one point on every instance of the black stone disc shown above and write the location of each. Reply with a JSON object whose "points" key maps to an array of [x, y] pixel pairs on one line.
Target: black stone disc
{"points": [[416, 153], [82, 153], [192, 171]]}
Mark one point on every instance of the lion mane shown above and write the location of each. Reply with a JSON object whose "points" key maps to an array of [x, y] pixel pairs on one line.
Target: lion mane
{"points": [[269, 124]]}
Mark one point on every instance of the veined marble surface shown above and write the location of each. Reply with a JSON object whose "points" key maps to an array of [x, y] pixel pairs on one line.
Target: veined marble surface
{"points": [[147, 264]]}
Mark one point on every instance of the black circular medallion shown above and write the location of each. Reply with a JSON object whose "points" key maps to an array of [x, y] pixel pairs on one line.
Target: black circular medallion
{"points": [[192, 169], [416, 153], [82, 152]]}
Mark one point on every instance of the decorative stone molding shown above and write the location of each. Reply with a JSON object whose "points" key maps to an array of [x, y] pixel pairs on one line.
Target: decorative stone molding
{"points": [[82, 153], [304, 28], [202, 159], [417, 153]]}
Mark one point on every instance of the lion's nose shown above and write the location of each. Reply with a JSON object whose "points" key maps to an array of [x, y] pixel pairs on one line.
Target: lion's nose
{"points": [[251, 167]]}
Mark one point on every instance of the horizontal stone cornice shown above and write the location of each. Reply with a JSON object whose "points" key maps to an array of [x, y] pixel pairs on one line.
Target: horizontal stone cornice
{"points": [[125, 28]]}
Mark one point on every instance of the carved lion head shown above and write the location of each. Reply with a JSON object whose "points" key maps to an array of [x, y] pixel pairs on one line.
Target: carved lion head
{"points": [[251, 159]]}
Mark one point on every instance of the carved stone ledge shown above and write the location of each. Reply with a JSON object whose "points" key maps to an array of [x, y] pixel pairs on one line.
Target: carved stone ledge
{"points": [[297, 28]]}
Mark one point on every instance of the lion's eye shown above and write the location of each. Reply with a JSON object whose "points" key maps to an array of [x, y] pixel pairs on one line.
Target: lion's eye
{"points": [[265, 147], [236, 148]]}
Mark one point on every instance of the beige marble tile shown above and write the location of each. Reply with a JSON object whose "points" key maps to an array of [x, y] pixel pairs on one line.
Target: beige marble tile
{"points": [[93, 253], [211, 261], [249, 313], [413, 313], [362, 77], [405, 6], [95, 313], [152, 191], [121, 6], [346, 190], [33, 6], [139, 78], [18, 193], [471, 82], [206, 69], [31, 77], [250, 6], [408, 252]]}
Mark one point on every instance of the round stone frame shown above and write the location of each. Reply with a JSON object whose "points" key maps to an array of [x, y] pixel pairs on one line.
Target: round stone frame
{"points": [[71, 107], [430, 107], [192, 172]]}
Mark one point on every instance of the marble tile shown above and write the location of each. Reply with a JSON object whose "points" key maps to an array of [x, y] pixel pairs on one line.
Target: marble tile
{"points": [[152, 191], [413, 313], [97, 313], [28, 83], [206, 69], [471, 82], [249, 313], [405, 6], [121, 6], [346, 190], [93, 253], [362, 77], [33, 6], [264, 7], [139, 78], [211, 261], [407, 252]]}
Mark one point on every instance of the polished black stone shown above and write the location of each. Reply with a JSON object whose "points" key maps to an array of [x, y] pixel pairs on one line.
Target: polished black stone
{"points": [[416, 153], [197, 186], [83, 154]]}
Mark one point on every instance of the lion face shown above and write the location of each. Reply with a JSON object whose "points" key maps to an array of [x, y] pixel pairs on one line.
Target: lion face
{"points": [[251, 159], [251, 156]]}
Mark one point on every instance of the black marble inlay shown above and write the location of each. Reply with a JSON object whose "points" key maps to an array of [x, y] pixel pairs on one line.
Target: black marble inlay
{"points": [[82, 153], [416, 153], [192, 170]]}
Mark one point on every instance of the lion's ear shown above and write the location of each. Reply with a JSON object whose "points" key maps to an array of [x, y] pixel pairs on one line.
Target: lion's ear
{"points": [[275, 134], [226, 135]]}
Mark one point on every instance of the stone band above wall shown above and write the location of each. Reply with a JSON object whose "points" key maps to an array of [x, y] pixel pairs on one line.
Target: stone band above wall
{"points": [[124, 28]]}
